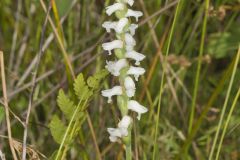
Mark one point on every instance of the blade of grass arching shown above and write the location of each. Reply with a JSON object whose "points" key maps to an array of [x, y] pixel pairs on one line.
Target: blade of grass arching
{"points": [[57, 19], [225, 105], [163, 76], [187, 143], [199, 66], [227, 122], [68, 64]]}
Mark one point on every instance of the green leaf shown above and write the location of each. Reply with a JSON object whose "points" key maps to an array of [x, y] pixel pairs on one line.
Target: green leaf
{"points": [[81, 89], [2, 113], [94, 81], [101, 74], [57, 129], [65, 104]]}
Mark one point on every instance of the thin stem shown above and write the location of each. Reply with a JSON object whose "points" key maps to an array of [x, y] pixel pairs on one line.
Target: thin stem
{"points": [[199, 66], [128, 144], [68, 129], [227, 122], [6, 107], [162, 79], [225, 105], [34, 78]]}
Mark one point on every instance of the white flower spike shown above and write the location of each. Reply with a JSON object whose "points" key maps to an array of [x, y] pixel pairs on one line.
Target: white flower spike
{"points": [[115, 91], [123, 47], [113, 8], [109, 46], [136, 107], [132, 13], [136, 71], [135, 56], [129, 86], [115, 67]]}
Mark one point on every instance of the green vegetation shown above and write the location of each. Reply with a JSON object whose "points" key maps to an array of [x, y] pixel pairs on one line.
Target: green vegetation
{"points": [[50, 101]]}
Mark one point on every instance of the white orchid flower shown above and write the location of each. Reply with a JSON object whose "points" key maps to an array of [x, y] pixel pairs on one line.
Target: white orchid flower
{"points": [[135, 56], [121, 131], [125, 122], [130, 41], [115, 91], [136, 107], [108, 25], [130, 2], [109, 46], [136, 72], [121, 24], [114, 67], [129, 86], [113, 8], [132, 13], [132, 28]]}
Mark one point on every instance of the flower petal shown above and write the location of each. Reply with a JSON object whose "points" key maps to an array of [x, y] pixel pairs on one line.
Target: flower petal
{"points": [[136, 107], [113, 8]]}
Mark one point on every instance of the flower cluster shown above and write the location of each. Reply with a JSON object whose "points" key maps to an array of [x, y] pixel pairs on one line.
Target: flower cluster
{"points": [[123, 48]]}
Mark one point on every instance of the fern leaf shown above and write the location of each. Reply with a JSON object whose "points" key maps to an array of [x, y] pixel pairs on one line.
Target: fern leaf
{"points": [[65, 104], [57, 129], [94, 81], [81, 89]]}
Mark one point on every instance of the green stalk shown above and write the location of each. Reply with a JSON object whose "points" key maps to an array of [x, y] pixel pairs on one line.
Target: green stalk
{"points": [[227, 122], [129, 146], [199, 66], [224, 106], [163, 76], [69, 128]]}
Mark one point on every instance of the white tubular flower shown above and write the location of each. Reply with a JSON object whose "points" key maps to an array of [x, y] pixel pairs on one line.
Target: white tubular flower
{"points": [[115, 67], [125, 122], [129, 86], [121, 131], [130, 2], [136, 107], [132, 28], [109, 25], [113, 8], [117, 90], [121, 24], [113, 138], [130, 41], [136, 56], [136, 71], [109, 46], [132, 13]]}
